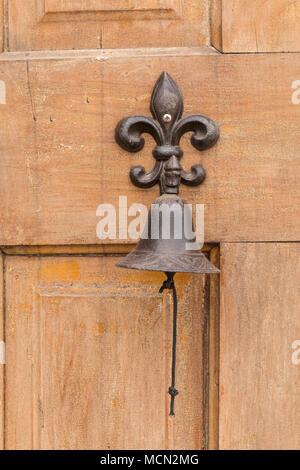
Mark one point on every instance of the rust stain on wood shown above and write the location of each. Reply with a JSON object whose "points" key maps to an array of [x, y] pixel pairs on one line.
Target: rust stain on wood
{"points": [[99, 329], [67, 271]]}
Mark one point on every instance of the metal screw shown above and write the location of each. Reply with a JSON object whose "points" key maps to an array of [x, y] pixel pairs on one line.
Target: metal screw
{"points": [[167, 117]]}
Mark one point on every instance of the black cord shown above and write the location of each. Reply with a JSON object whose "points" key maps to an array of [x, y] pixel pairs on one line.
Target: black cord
{"points": [[169, 284]]}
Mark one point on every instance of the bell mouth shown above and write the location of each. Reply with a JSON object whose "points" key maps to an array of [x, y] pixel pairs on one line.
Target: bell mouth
{"points": [[193, 262]]}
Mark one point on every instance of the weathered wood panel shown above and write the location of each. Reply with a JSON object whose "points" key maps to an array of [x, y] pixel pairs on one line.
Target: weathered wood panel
{"points": [[89, 353], [259, 384], [97, 24], [256, 25], [59, 160]]}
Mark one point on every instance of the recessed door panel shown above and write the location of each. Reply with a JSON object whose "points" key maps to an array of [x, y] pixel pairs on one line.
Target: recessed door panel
{"points": [[89, 357]]}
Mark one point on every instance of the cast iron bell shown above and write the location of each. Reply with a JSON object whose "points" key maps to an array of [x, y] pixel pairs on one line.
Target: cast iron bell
{"points": [[159, 251], [165, 245]]}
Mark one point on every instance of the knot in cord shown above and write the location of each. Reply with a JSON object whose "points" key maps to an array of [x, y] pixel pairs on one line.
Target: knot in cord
{"points": [[169, 284], [173, 392]]}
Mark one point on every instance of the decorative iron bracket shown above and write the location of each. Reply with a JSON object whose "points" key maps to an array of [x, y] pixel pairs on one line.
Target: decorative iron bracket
{"points": [[167, 127]]}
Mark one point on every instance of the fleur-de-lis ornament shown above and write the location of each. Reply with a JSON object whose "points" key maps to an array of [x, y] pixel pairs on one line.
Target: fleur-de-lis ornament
{"points": [[166, 127]]}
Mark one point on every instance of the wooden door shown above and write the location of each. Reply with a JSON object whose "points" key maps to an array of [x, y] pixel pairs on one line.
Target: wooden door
{"points": [[88, 345]]}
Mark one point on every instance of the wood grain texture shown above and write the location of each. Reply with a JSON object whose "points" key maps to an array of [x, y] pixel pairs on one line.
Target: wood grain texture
{"points": [[57, 6], [58, 149], [89, 353], [259, 385], [256, 25], [2, 25], [2, 366], [96, 24]]}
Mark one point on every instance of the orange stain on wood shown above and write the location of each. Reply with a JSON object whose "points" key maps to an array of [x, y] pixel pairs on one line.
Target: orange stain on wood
{"points": [[67, 271], [99, 329]]}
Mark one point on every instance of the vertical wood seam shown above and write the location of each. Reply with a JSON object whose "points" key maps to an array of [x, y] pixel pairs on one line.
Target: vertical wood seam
{"points": [[215, 17], [214, 354], [205, 362], [2, 367]]}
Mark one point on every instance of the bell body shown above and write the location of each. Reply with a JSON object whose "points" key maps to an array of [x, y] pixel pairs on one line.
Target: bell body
{"points": [[168, 242]]}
